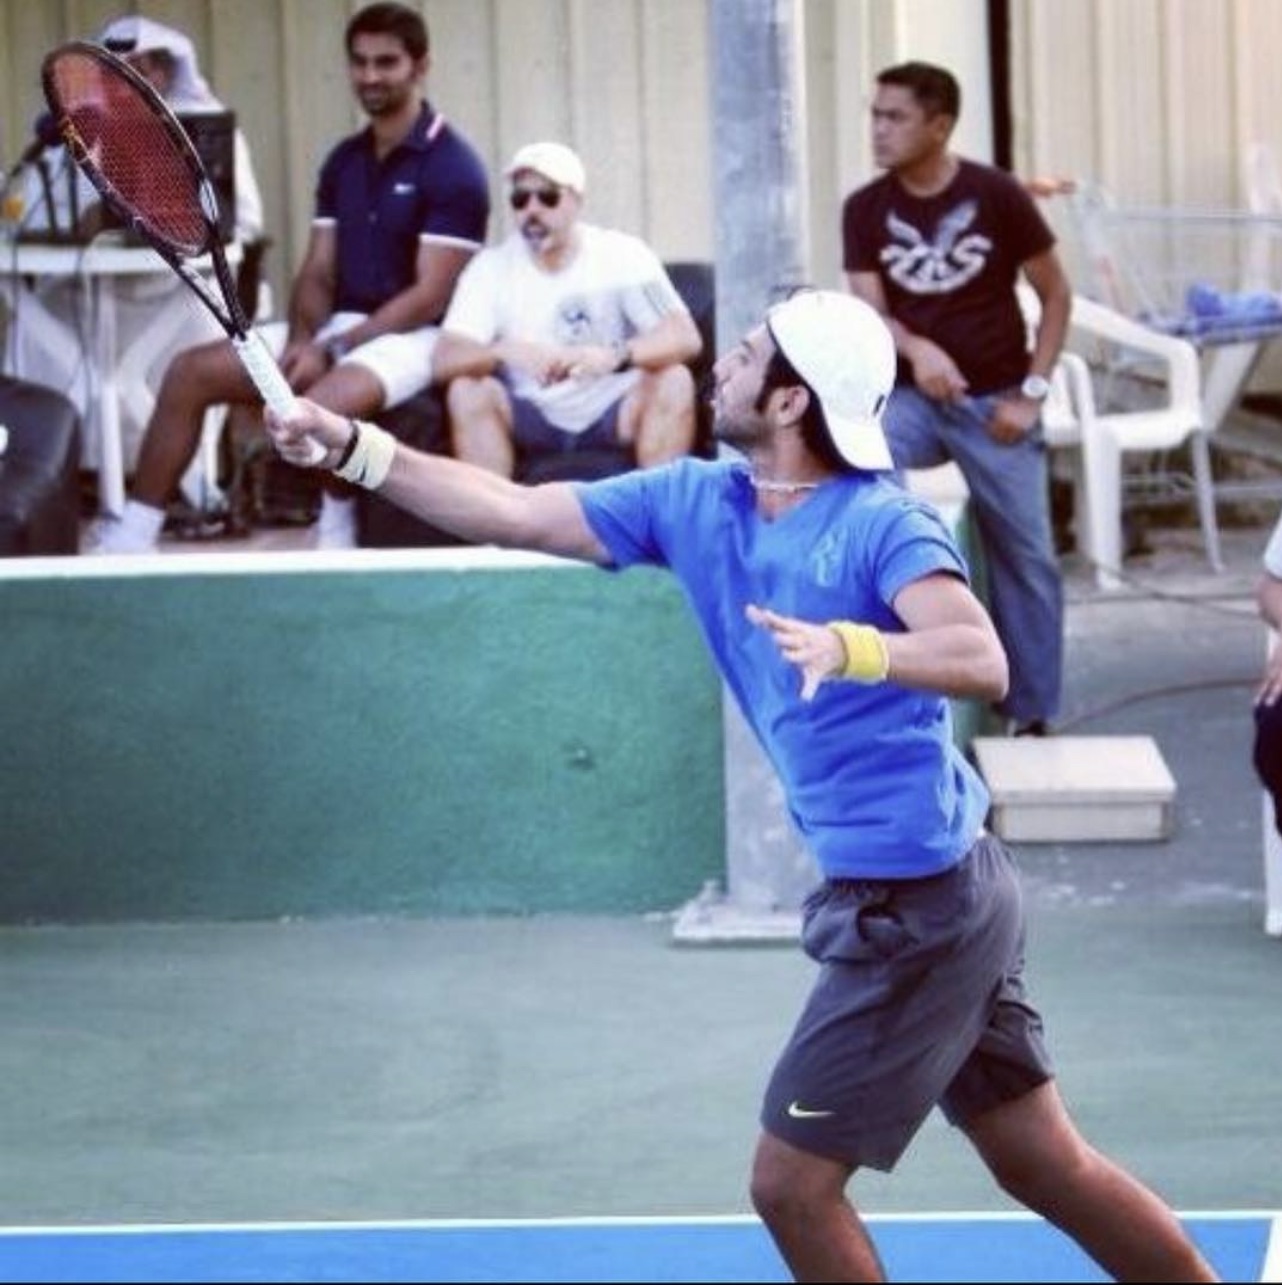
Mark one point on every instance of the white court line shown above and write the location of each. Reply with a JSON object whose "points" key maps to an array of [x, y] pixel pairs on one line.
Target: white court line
{"points": [[1272, 1269], [1273, 1260]]}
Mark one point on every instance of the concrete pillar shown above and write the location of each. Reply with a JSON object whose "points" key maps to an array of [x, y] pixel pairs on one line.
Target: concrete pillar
{"points": [[762, 254]]}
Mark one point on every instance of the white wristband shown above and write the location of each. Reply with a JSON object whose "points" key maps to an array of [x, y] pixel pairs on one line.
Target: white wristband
{"points": [[371, 459]]}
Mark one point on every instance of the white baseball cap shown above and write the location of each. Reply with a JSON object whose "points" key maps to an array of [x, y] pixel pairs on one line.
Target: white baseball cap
{"points": [[556, 162], [844, 351]]}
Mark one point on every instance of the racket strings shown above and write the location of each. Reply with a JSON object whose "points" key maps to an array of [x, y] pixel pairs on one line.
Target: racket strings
{"points": [[114, 131]]}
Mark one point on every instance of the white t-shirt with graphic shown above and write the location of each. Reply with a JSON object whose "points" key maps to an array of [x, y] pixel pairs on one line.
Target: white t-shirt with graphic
{"points": [[615, 287]]}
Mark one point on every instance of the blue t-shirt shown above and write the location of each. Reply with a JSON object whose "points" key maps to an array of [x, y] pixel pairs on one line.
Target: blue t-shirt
{"points": [[432, 185], [872, 776]]}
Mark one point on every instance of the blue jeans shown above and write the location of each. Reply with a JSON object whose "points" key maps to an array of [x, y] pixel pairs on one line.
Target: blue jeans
{"points": [[1010, 500]]}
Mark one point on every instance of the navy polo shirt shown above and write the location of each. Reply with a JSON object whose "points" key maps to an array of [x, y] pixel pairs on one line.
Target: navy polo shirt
{"points": [[433, 184]]}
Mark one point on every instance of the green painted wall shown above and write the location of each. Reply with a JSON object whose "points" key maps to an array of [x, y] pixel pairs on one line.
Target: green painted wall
{"points": [[338, 742]]}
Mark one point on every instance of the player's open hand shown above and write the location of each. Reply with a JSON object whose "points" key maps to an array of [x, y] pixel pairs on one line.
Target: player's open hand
{"points": [[815, 649]]}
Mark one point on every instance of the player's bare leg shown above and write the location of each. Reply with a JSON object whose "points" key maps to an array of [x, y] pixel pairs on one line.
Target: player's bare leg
{"points": [[480, 418], [196, 379], [1037, 1155], [658, 416], [802, 1200]]}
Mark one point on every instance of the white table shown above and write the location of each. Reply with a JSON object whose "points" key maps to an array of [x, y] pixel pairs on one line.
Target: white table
{"points": [[115, 373]]}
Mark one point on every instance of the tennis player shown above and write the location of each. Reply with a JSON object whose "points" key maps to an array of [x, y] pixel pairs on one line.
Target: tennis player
{"points": [[838, 608]]}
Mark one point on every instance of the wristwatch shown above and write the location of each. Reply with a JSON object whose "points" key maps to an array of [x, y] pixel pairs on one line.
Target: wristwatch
{"points": [[1035, 388]]}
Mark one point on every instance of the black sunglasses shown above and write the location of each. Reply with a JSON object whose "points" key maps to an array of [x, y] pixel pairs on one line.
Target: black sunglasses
{"points": [[549, 197]]}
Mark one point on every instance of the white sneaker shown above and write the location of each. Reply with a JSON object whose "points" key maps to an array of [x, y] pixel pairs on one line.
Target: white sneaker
{"points": [[336, 525], [111, 535]]}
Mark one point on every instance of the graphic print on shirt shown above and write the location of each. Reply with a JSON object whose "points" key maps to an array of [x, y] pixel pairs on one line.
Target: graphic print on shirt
{"points": [[574, 321], [826, 560], [940, 265]]}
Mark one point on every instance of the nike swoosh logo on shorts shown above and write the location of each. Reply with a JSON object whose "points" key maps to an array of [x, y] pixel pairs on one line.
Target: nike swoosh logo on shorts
{"points": [[798, 1112]]}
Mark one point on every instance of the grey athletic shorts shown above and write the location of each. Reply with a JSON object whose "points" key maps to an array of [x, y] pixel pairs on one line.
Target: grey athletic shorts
{"points": [[919, 1001]]}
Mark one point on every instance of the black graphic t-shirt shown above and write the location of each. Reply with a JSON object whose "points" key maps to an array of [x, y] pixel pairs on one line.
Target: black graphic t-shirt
{"points": [[948, 264]]}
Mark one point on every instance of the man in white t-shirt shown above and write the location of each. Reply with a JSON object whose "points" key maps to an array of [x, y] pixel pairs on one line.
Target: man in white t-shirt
{"points": [[565, 339]]}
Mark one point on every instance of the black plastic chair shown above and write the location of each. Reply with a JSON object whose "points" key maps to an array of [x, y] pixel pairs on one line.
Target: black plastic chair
{"points": [[39, 470], [696, 283]]}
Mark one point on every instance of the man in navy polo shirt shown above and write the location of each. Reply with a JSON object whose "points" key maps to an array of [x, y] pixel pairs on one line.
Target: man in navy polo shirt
{"points": [[401, 206]]}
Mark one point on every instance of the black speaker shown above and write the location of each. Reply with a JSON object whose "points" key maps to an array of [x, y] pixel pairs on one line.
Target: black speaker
{"points": [[213, 134]]}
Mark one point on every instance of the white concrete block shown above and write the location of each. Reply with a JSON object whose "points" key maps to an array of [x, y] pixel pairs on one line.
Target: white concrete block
{"points": [[1084, 789]]}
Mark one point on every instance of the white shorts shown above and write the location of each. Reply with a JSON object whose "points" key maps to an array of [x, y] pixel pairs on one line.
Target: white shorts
{"points": [[401, 362]]}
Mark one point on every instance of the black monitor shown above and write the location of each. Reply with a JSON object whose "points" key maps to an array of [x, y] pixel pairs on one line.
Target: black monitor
{"points": [[213, 134], [61, 207]]}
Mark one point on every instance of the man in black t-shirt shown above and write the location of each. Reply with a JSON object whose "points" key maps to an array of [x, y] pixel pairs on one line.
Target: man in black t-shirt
{"points": [[938, 244]]}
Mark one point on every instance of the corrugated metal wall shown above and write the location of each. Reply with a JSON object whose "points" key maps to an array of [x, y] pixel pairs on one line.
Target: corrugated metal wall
{"points": [[1158, 99]]}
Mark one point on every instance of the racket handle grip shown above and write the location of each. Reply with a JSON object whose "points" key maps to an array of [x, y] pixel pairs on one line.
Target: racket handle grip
{"points": [[272, 385]]}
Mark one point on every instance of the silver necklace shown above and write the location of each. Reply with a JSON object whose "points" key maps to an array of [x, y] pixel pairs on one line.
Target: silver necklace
{"points": [[771, 487]]}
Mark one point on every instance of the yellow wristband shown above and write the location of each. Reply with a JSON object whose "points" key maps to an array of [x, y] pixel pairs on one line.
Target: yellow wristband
{"points": [[867, 660]]}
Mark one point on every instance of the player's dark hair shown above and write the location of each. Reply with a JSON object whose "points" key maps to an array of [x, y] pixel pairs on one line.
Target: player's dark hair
{"points": [[390, 19], [935, 89], [781, 373]]}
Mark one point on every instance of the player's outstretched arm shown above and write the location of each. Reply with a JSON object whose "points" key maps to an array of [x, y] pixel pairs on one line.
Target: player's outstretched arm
{"points": [[472, 503]]}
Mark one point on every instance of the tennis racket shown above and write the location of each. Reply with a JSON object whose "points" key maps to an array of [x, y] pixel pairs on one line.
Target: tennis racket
{"points": [[130, 146]]}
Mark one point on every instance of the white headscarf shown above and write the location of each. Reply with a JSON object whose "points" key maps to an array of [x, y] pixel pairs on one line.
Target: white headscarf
{"points": [[134, 34]]}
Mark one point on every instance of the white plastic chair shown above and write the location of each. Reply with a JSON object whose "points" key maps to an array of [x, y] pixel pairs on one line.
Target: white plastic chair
{"points": [[1272, 847], [1146, 264], [1272, 872], [1068, 428], [1108, 435], [1066, 417], [1099, 439]]}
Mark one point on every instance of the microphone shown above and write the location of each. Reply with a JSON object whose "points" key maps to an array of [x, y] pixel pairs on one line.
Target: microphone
{"points": [[46, 134]]}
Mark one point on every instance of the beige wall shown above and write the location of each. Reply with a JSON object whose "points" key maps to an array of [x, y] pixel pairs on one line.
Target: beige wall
{"points": [[624, 81], [1156, 98]]}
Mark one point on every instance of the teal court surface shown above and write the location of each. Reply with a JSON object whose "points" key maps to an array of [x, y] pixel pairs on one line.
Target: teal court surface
{"points": [[913, 1248]]}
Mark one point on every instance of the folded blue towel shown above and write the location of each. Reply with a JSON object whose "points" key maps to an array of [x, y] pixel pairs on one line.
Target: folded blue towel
{"points": [[1206, 301], [1222, 316]]}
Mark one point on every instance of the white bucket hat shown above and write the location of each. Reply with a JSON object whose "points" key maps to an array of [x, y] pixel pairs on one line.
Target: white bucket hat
{"points": [[556, 162], [844, 351]]}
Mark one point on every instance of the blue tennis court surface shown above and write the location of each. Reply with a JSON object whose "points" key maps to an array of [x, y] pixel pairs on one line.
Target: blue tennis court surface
{"points": [[930, 1248]]}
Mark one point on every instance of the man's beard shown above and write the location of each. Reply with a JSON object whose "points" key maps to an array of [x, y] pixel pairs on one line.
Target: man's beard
{"points": [[536, 234], [740, 433], [381, 102]]}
